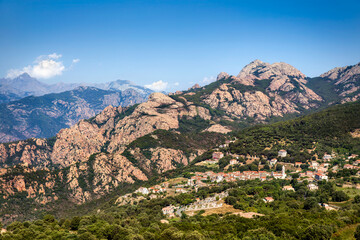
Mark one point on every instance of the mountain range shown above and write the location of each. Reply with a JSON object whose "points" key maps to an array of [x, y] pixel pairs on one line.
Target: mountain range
{"points": [[126, 146], [24, 85], [41, 110]]}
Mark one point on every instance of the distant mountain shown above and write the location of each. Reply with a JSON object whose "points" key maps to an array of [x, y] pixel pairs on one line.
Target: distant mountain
{"points": [[44, 116], [24, 86], [121, 85]]}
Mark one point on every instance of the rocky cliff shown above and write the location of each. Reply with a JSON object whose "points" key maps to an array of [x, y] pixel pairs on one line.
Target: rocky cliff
{"points": [[346, 81], [260, 91]]}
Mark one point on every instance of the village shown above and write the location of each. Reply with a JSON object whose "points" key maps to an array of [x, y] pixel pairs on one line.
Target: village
{"points": [[316, 171]]}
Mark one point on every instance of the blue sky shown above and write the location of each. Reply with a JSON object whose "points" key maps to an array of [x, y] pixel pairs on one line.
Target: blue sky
{"points": [[178, 42]]}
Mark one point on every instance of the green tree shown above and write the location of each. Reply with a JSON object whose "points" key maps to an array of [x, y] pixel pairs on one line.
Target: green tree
{"points": [[357, 233], [317, 232], [357, 199], [310, 203], [230, 200], [259, 234], [86, 236], [340, 196], [49, 218], [75, 222], [194, 235]]}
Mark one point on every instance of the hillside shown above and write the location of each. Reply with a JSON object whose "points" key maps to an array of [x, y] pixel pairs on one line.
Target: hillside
{"points": [[331, 130]]}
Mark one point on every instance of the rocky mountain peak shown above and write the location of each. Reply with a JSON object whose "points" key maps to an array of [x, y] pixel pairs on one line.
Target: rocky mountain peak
{"points": [[222, 75], [160, 98], [24, 76], [347, 81], [261, 70], [342, 74], [196, 86]]}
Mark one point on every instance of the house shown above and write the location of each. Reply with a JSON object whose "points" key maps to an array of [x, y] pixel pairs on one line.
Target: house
{"points": [[348, 166], [181, 190], [268, 199], [309, 174], [273, 161], [327, 157], [282, 153], [143, 190], [278, 175], [352, 156], [314, 165], [321, 176], [233, 162], [312, 187], [298, 164], [219, 178], [356, 163], [169, 210], [288, 188], [217, 155], [224, 145]]}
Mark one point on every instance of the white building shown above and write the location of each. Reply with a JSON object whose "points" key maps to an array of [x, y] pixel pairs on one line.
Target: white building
{"points": [[219, 178], [321, 176], [273, 161], [143, 190], [327, 157], [282, 153], [169, 210], [312, 187], [217, 155], [288, 188], [233, 162], [268, 199]]}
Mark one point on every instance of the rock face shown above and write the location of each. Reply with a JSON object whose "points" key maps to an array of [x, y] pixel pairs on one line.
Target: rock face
{"points": [[218, 128], [44, 116], [346, 81], [222, 75], [262, 90], [261, 70]]}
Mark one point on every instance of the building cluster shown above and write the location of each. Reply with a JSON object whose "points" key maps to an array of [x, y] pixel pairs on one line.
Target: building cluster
{"points": [[201, 177], [154, 189], [207, 203]]}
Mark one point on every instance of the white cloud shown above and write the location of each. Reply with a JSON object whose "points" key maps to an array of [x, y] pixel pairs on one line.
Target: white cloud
{"points": [[157, 86], [53, 56], [76, 60], [176, 84], [45, 66], [208, 80]]}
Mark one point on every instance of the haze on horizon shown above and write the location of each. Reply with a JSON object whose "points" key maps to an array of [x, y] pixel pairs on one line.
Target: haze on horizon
{"points": [[171, 45]]}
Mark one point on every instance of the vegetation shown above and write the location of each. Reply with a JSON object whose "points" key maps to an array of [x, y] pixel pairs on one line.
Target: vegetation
{"points": [[321, 132], [293, 215]]}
